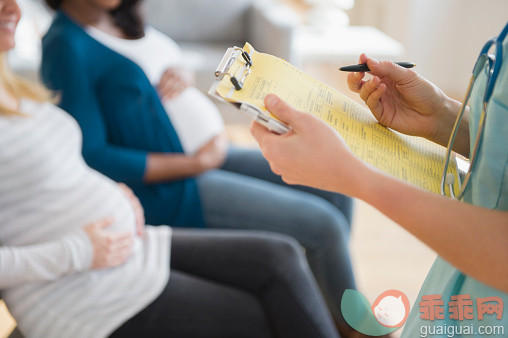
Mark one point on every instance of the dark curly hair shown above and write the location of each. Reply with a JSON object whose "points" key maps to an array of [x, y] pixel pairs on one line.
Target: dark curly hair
{"points": [[54, 4], [127, 17]]}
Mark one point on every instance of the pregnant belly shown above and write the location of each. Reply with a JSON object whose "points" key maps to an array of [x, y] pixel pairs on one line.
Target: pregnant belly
{"points": [[98, 197], [56, 210], [113, 203], [195, 119]]}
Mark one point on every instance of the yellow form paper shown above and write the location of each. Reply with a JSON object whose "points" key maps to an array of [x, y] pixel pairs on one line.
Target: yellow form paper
{"points": [[412, 159]]}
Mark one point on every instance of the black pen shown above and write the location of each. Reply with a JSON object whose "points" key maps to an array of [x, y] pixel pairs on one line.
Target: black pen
{"points": [[364, 68]]}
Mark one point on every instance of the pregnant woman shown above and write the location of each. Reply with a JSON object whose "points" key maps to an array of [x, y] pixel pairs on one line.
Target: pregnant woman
{"points": [[76, 259], [123, 84]]}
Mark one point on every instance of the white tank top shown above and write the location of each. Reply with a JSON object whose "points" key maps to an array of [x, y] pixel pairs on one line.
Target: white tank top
{"points": [[194, 117]]}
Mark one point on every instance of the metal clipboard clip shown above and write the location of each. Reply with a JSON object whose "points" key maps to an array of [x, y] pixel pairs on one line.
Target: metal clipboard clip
{"points": [[228, 60], [238, 79]]}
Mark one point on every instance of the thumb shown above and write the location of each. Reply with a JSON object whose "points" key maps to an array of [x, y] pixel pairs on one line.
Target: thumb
{"points": [[282, 110], [395, 72]]}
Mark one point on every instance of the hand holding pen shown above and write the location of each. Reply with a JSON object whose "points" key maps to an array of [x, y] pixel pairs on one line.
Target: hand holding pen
{"points": [[399, 98]]}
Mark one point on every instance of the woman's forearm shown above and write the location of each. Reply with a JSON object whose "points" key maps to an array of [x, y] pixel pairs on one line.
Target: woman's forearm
{"points": [[450, 110], [42, 262], [473, 239], [162, 167]]}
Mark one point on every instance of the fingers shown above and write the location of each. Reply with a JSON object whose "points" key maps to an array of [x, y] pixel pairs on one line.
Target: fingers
{"points": [[164, 80], [373, 100], [221, 143], [354, 81], [122, 243], [110, 248], [222, 139], [103, 223], [371, 93], [169, 88], [213, 154], [168, 74], [363, 58], [369, 87], [397, 74], [171, 84], [119, 258], [282, 110], [269, 143], [206, 147], [115, 257], [140, 228], [116, 237], [140, 222], [118, 245], [261, 133]]}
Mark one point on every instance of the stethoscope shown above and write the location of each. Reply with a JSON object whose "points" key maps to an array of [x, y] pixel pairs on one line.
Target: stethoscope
{"points": [[493, 64]]}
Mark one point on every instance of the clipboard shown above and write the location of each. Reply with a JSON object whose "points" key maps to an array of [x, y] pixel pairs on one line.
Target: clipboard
{"points": [[244, 77], [232, 56]]}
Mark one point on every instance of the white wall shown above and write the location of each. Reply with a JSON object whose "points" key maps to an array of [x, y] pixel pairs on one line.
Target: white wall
{"points": [[443, 37]]}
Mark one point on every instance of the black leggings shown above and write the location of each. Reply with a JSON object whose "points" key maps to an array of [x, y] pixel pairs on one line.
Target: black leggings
{"points": [[234, 284]]}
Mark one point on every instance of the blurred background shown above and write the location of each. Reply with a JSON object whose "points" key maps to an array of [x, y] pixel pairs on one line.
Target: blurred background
{"points": [[443, 38]]}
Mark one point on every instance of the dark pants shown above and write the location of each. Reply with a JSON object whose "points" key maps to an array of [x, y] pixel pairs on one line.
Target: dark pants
{"points": [[235, 284], [246, 194]]}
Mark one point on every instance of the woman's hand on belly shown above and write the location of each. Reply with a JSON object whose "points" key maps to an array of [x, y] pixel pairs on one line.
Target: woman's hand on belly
{"points": [[138, 208], [213, 154], [165, 167], [109, 248], [173, 82]]}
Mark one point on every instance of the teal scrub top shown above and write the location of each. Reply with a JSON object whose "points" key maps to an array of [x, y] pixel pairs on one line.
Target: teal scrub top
{"points": [[489, 189]]}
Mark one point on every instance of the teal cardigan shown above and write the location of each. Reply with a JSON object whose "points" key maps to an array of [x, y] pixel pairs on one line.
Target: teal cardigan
{"points": [[121, 117]]}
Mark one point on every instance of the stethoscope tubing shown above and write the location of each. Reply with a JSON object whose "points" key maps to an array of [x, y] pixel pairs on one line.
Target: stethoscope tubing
{"points": [[448, 179]]}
